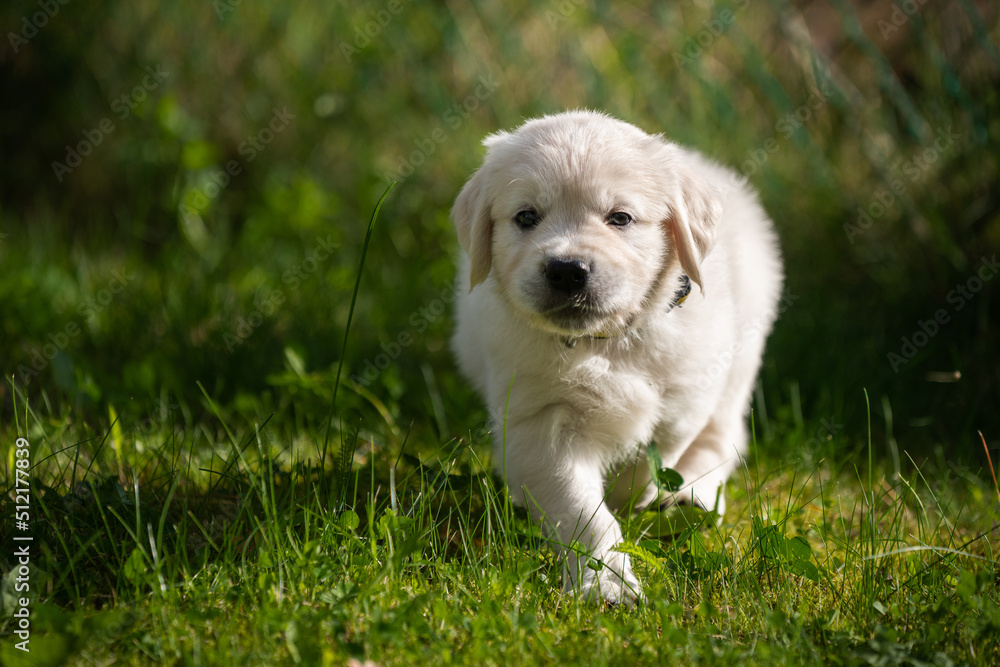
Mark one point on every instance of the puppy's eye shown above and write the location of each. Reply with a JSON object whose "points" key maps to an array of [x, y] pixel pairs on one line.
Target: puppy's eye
{"points": [[527, 218], [620, 219]]}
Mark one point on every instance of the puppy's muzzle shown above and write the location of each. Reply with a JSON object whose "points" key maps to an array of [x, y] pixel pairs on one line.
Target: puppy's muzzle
{"points": [[567, 276]]}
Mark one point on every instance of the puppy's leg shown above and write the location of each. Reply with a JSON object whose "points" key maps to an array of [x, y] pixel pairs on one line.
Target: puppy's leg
{"points": [[632, 488], [709, 461], [562, 484]]}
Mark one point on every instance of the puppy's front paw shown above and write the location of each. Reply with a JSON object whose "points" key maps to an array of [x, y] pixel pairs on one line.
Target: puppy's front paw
{"points": [[610, 581]]}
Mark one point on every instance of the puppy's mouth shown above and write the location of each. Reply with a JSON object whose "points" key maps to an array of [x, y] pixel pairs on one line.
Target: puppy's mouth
{"points": [[569, 299], [577, 316]]}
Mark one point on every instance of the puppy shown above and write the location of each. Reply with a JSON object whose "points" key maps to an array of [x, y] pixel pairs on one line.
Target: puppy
{"points": [[618, 290]]}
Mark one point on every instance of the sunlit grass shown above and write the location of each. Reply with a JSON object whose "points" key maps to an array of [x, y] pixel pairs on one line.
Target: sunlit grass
{"points": [[403, 556]]}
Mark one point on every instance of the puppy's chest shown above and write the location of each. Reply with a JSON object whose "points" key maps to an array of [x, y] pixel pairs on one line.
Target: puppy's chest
{"points": [[605, 385], [619, 403]]}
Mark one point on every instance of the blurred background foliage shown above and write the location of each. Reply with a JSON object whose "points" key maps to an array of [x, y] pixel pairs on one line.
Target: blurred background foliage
{"points": [[186, 187]]}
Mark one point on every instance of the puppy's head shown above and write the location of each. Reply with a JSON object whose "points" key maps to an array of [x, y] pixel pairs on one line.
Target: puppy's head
{"points": [[578, 217]]}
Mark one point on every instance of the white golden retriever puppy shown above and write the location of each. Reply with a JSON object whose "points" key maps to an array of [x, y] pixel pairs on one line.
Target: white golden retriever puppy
{"points": [[582, 236]]}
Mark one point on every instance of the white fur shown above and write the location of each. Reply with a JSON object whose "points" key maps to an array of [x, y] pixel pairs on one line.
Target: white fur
{"points": [[581, 409]]}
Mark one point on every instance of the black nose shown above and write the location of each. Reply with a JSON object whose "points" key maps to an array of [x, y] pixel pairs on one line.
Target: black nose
{"points": [[567, 275]]}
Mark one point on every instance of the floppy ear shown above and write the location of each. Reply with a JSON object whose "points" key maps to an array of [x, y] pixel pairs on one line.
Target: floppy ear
{"points": [[471, 214], [696, 211]]}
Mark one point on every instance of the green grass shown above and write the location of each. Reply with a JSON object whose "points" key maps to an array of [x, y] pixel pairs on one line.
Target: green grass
{"points": [[231, 543], [250, 537]]}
